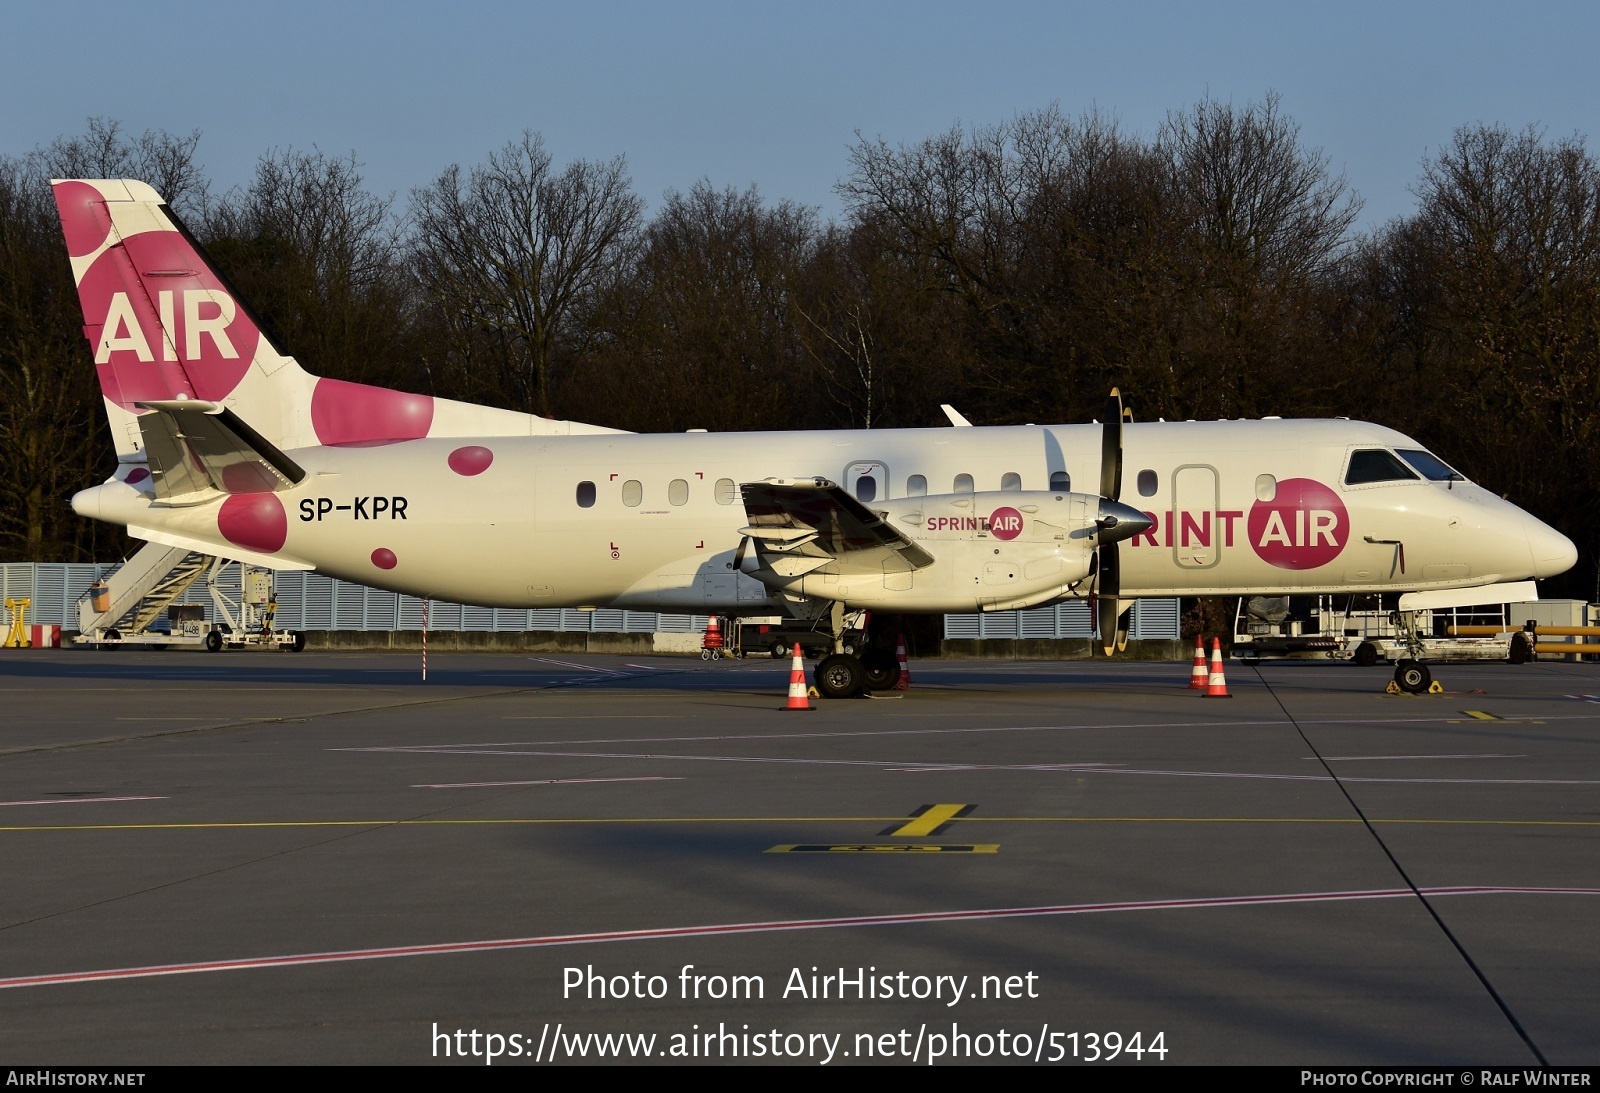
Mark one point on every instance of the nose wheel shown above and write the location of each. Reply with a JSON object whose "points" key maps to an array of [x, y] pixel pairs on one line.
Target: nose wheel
{"points": [[1412, 676]]}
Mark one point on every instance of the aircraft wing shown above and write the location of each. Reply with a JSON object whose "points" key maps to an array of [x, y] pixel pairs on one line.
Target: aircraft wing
{"points": [[802, 525], [196, 446]]}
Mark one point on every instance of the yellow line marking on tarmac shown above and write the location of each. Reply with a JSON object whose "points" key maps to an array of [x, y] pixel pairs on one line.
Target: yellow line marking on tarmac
{"points": [[580, 820], [929, 820], [884, 848], [1481, 715]]}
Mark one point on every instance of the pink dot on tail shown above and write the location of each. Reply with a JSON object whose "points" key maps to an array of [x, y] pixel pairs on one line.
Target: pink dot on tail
{"points": [[84, 221], [255, 521], [471, 460], [384, 558], [354, 413], [137, 475]]}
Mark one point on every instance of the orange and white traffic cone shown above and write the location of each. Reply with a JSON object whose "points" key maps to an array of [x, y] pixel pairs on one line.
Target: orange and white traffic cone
{"points": [[904, 682], [1217, 685], [798, 699], [1197, 674]]}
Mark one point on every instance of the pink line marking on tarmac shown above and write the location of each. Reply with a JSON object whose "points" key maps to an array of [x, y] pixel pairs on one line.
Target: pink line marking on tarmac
{"points": [[550, 782], [778, 926], [78, 801]]}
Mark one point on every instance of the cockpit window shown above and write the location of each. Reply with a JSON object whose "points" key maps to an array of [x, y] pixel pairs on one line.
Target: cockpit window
{"points": [[1376, 465], [1432, 467]]}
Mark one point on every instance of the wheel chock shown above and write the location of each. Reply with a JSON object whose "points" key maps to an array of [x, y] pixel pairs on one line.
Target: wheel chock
{"points": [[812, 692], [1393, 689], [1435, 688]]}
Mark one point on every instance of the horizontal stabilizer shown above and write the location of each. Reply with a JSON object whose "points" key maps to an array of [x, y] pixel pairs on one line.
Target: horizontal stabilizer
{"points": [[230, 551], [815, 518], [196, 446]]}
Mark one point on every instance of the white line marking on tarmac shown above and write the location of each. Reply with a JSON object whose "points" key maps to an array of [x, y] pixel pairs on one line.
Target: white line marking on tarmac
{"points": [[78, 801], [777, 926], [548, 782], [1359, 758], [580, 667]]}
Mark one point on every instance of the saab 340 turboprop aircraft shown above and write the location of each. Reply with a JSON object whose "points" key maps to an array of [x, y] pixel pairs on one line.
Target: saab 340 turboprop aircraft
{"points": [[228, 447]]}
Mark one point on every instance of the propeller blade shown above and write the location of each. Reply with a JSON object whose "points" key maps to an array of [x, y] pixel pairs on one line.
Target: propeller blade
{"points": [[1107, 609], [1111, 448], [1124, 622]]}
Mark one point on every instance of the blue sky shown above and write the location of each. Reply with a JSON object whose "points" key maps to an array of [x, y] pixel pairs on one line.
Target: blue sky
{"points": [[773, 94]]}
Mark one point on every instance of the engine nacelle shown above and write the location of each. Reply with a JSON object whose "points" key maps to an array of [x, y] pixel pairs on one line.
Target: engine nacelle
{"points": [[990, 551]]}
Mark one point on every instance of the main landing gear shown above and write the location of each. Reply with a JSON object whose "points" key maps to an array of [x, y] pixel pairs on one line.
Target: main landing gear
{"points": [[843, 674]]}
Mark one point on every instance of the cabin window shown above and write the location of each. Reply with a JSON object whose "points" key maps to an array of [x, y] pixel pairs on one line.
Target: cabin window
{"points": [[1148, 483], [917, 486], [724, 491], [1266, 487], [1011, 480], [632, 493], [866, 488], [1432, 467], [678, 491], [586, 495], [1061, 480], [963, 483], [1376, 465]]}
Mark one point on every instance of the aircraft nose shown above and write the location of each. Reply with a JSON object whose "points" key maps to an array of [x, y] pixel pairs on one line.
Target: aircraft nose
{"points": [[1118, 521], [1553, 552]]}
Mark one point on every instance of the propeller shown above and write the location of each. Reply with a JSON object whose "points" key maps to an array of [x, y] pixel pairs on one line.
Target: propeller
{"points": [[1115, 523]]}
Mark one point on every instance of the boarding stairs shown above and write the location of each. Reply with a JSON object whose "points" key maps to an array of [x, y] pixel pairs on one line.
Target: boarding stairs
{"points": [[141, 588]]}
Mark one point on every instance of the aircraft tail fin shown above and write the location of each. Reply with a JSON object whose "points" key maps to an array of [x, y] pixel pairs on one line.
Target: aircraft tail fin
{"points": [[164, 325]]}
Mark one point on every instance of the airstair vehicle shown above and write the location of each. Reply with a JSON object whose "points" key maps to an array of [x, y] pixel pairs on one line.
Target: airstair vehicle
{"points": [[136, 604]]}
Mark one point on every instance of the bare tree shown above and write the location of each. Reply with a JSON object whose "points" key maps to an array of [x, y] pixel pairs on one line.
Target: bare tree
{"points": [[320, 258], [518, 251], [51, 424], [701, 331], [164, 161]]}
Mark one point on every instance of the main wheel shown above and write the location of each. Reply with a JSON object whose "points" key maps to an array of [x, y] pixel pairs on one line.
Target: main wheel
{"points": [[879, 670], [213, 641], [1521, 649], [839, 675], [1412, 676], [1366, 654]]}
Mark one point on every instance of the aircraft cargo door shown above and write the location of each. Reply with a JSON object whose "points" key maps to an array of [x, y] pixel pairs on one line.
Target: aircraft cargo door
{"points": [[1196, 539]]}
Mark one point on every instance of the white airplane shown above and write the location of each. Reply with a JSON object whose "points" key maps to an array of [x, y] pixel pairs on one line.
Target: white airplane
{"points": [[228, 447]]}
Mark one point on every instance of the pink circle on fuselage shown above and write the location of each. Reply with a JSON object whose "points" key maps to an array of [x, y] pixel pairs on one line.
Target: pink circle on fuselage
{"points": [[471, 460], [255, 521], [384, 558], [1304, 526], [137, 475]]}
